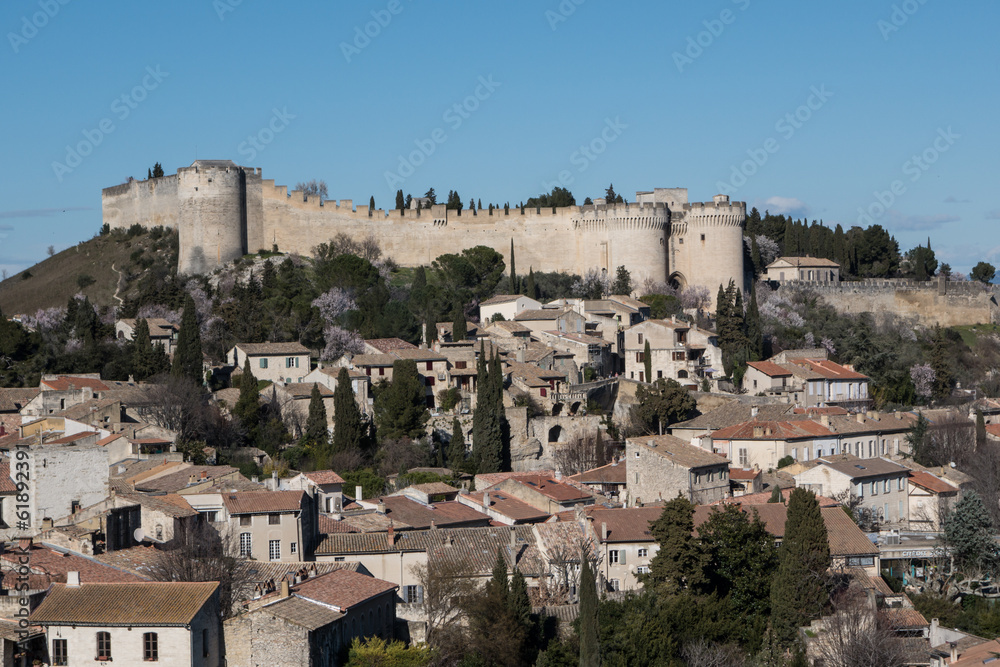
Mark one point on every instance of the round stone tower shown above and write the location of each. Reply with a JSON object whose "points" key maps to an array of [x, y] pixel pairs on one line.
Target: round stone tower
{"points": [[706, 244], [212, 216]]}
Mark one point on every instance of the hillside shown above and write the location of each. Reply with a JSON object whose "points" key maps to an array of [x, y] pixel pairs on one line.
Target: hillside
{"points": [[95, 268]]}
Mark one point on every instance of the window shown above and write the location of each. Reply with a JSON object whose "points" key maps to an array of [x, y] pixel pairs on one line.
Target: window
{"points": [[413, 594], [150, 647], [291, 362], [204, 642], [263, 362], [643, 552], [338, 559], [885, 486], [613, 557], [680, 241], [679, 356], [429, 365], [274, 549], [211, 515], [860, 561], [874, 488], [615, 584], [460, 364], [860, 491], [640, 339], [294, 548], [381, 371], [60, 654], [103, 645], [639, 357], [245, 544], [245, 520], [744, 457], [702, 237], [659, 374], [274, 519], [642, 569], [901, 482]]}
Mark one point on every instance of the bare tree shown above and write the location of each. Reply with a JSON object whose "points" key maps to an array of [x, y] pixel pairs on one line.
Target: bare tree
{"points": [[204, 554], [51, 250], [312, 188], [705, 654], [858, 634], [177, 404], [446, 583], [583, 453], [952, 439]]}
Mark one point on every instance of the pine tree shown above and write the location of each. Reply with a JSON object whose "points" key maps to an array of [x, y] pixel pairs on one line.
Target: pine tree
{"points": [[247, 409], [459, 329], [530, 289], [371, 205], [348, 428], [647, 361], [188, 354], [400, 201], [798, 592], [316, 433], [518, 601], [513, 273], [479, 205], [609, 194], [968, 531], [754, 331], [456, 449], [590, 650], [499, 584], [755, 259], [680, 563], [939, 362], [401, 409], [147, 359]]}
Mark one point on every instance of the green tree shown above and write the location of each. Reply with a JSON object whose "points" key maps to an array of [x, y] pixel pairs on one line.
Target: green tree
{"points": [[459, 329], [939, 361], [559, 197], [188, 353], [148, 360], [980, 429], [590, 650], [514, 287], [755, 332], [349, 430], [968, 531], [316, 430], [921, 262], [401, 410], [431, 195], [680, 563], [798, 591], [157, 170], [609, 194], [919, 441], [487, 419], [378, 652], [661, 405], [471, 275], [623, 282], [247, 409], [456, 448], [400, 201], [647, 361], [518, 600], [454, 201], [983, 272], [530, 289]]}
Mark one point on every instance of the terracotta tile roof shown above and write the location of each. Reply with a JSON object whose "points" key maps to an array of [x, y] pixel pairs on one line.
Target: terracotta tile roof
{"points": [[265, 572], [612, 473], [13, 400], [389, 344], [176, 481], [507, 505], [327, 524], [53, 563], [138, 560], [434, 488], [764, 498], [509, 326], [979, 654], [266, 349], [263, 502], [845, 538], [7, 485], [736, 412], [865, 468], [625, 525], [805, 261], [676, 450], [304, 389], [501, 298], [829, 370], [816, 410], [743, 473], [67, 439], [628, 301], [147, 604], [487, 479], [170, 504], [417, 354], [370, 522], [541, 314], [103, 442], [303, 613], [769, 368], [67, 382], [82, 411], [418, 515], [343, 588], [905, 617], [551, 488], [868, 582], [757, 429], [373, 360], [324, 477], [922, 479]]}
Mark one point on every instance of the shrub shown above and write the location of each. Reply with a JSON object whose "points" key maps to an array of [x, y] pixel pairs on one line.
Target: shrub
{"points": [[449, 398], [785, 461], [84, 280]]}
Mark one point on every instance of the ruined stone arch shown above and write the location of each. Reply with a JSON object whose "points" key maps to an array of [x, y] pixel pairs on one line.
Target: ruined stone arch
{"points": [[677, 280], [556, 433]]}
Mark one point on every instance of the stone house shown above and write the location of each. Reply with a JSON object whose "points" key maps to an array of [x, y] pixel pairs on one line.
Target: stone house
{"points": [[508, 333], [879, 486], [930, 499], [766, 377], [503, 508], [802, 269], [473, 332], [432, 367], [745, 481], [565, 320], [762, 444], [295, 397], [310, 622], [679, 351], [588, 351], [325, 484], [161, 332], [277, 362], [535, 381], [825, 383], [660, 467], [543, 492], [169, 623], [625, 544], [506, 305], [326, 376], [607, 480], [273, 525]]}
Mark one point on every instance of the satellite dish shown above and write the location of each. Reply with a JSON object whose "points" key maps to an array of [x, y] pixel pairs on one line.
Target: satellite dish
{"points": [[139, 535]]}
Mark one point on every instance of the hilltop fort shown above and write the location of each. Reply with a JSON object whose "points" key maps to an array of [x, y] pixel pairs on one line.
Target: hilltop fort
{"points": [[223, 211]]}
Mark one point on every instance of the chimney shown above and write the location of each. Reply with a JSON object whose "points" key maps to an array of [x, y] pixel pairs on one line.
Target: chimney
{"points": [[73, 579], [753, 411], [604, 531], [204, 474], [860, 417], [954, 651], [357, 493], [486, 499], [380, 508], [285, 592], [513, 539], [391, 536], [825, 420], [46, 523]]}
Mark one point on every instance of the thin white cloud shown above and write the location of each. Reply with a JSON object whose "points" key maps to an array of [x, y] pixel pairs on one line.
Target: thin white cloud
{"points": [[40, 212], [956, 200], [784, 206], [899, 221]]}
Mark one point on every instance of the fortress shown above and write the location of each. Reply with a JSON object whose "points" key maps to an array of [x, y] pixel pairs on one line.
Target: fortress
{"points": [[223, 211]]}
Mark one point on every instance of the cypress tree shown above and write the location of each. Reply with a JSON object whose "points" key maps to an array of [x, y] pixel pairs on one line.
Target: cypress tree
{"points": [[980, 429], [939, 362], [316, 432], [798, 592], [500, 583], [755, 259], [513, 273], [647, 361], [680, 563], [517, 601], [401, 409], [348, 429], [530, 289], [147, 359], [188, 354], [247, 408], [479, 205], [459, 330], [456, 449], [479, 418], [400, 202], [755, 333], [589, 627], [371, 205]]}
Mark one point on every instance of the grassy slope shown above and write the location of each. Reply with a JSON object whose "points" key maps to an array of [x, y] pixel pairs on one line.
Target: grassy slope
{"points": [[54, 280]]}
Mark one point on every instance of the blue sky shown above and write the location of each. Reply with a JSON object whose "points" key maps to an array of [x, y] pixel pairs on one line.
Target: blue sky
{"points": [[812, 109]]}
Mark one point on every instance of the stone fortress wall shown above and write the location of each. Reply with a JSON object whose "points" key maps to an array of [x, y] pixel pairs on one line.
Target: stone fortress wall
{"points": [[222, 211]]}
